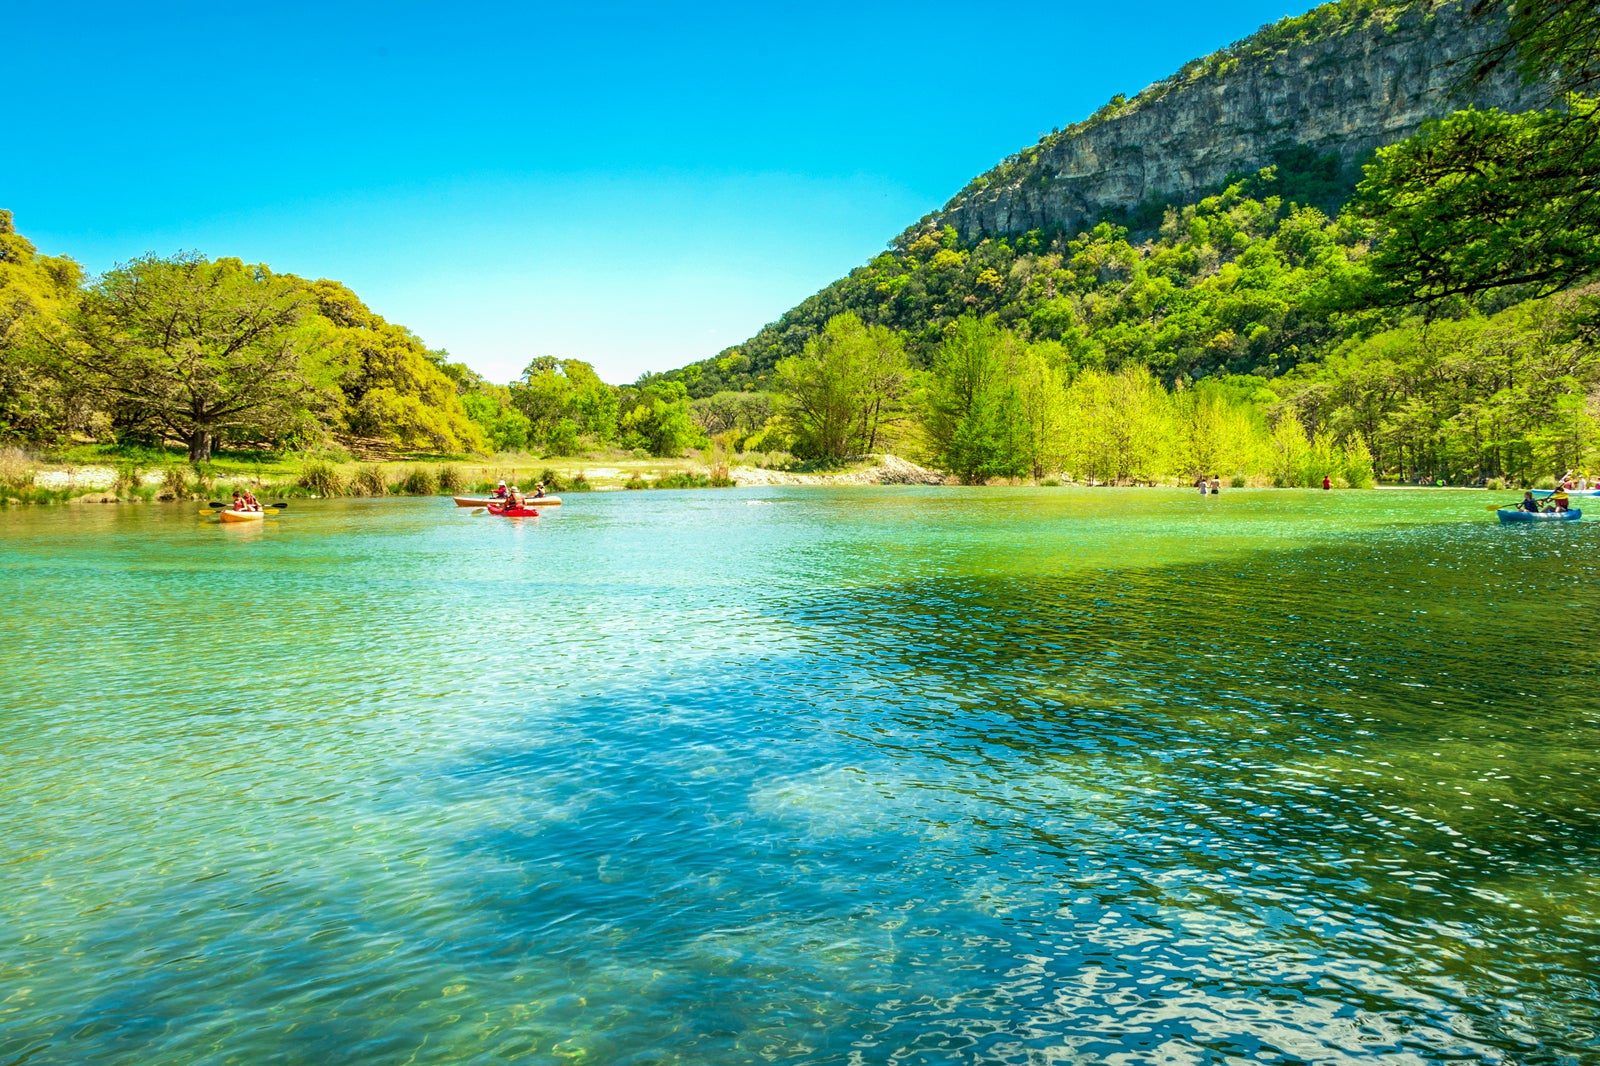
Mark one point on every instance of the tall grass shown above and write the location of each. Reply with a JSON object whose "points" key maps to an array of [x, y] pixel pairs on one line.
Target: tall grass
{"points": [[368, 480], [322, 478], [451, 479], [16, 471], [175, 483], [420, 481]]}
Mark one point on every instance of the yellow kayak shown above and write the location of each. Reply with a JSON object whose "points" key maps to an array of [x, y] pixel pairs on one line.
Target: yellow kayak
{"points": [[241, 516]]}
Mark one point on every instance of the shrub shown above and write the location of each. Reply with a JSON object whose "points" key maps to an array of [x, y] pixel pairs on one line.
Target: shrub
{"points": [[451, 479], [579, 483], [635, 482], [175, 483], [16, 471], [682, 479], [1236, 481], [419, 481], [127, 482], [1050, 483], [552, 480], [369, 481], [321, 478]]}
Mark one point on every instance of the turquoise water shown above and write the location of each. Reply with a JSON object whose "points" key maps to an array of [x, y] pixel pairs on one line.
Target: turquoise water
{"points": [[802, 776]]}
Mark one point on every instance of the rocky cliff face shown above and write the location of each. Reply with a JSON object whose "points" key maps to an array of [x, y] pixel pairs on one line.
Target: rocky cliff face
{"points": [[1361, 82]]}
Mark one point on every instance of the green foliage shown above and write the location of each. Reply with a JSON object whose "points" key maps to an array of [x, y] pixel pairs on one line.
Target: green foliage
{"points": [[194, 349], [1230, 285], [1483, 201], [732, 417], [1504, 396], [656, 418], [974, 412], [844, 389], [33, 290], [563, 401], [505, 428], [392, 386], [1557, 40]]}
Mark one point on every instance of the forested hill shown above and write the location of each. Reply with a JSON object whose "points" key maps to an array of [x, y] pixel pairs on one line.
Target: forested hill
{"points": [[1284, 117]]}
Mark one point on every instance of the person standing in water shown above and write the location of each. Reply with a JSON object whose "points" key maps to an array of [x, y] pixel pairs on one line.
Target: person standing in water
{"points": [[1326, 484], [1216, 485]]}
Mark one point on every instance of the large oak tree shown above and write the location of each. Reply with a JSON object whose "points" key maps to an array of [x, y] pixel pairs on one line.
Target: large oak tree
{"points": [[196, 347]]}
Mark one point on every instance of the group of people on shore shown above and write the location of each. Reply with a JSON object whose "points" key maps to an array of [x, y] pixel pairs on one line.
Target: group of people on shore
{"points": [[245, 500], [514, 495]]}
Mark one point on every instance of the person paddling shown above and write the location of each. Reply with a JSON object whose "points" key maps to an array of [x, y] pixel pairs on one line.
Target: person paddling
{"points": [[1528, 503], [538, 490], [238, 501], [500, 491], [1558, 499], [250, 501]]}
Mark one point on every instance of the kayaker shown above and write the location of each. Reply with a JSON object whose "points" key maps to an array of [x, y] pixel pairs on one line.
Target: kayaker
{"points": [[1558, 500], [250, 501], [538, 489], [1528, 503], [500, 491], [514, 498], [238, 500]]}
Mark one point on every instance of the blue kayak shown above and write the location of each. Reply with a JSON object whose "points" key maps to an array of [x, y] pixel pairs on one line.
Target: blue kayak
{"points": [[1541, 493], [1508, 515]]}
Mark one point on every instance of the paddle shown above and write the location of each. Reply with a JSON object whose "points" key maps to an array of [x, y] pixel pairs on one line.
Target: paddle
{"points": [[215, 506]]}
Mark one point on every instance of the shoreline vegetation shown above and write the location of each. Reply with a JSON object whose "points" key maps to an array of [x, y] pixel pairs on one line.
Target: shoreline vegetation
{"points": [[106, 478]]}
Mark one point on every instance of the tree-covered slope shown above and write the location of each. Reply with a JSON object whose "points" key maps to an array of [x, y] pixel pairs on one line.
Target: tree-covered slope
{"points": [[1189, 277]]}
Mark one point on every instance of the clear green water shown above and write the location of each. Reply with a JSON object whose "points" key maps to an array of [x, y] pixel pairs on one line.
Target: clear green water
{"points": [[862, 776]]}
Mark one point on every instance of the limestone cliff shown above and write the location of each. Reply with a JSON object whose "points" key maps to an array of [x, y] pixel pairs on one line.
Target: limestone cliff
{"points": [[1344, 79]]}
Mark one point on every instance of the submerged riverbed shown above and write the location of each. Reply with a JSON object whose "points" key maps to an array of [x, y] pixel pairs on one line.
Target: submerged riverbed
{"points": [[802, 776]]}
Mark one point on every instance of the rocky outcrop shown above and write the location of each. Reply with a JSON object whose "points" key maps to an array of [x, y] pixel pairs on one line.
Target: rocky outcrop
{"points": [[1357, 83]]}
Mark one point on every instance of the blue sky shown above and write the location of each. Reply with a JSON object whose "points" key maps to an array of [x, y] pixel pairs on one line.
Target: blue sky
{"points": [[635, 185]]}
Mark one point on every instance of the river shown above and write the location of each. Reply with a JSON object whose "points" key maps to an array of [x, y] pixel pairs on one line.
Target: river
{"points": [[802, 776]]}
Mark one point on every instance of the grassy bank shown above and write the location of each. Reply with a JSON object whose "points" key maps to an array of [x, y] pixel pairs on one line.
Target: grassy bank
{"points": [[99, 473]]}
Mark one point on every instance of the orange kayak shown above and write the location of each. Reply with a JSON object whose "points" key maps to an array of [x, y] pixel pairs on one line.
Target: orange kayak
{"points": [[485, 501]]}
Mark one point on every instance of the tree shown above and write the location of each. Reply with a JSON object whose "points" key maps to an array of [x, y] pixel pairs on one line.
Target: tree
{"points": [[656, 418], [197, 347], [1482, 201], [842, 389], [33, 289], [975, 416], [392, 386], [563, 397]]}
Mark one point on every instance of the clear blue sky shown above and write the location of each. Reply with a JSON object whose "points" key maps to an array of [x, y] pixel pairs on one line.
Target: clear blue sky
{"points": [[635, 185]]}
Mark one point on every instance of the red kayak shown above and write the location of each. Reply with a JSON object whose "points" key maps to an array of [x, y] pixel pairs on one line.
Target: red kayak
{"points": [[513, 512]]}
